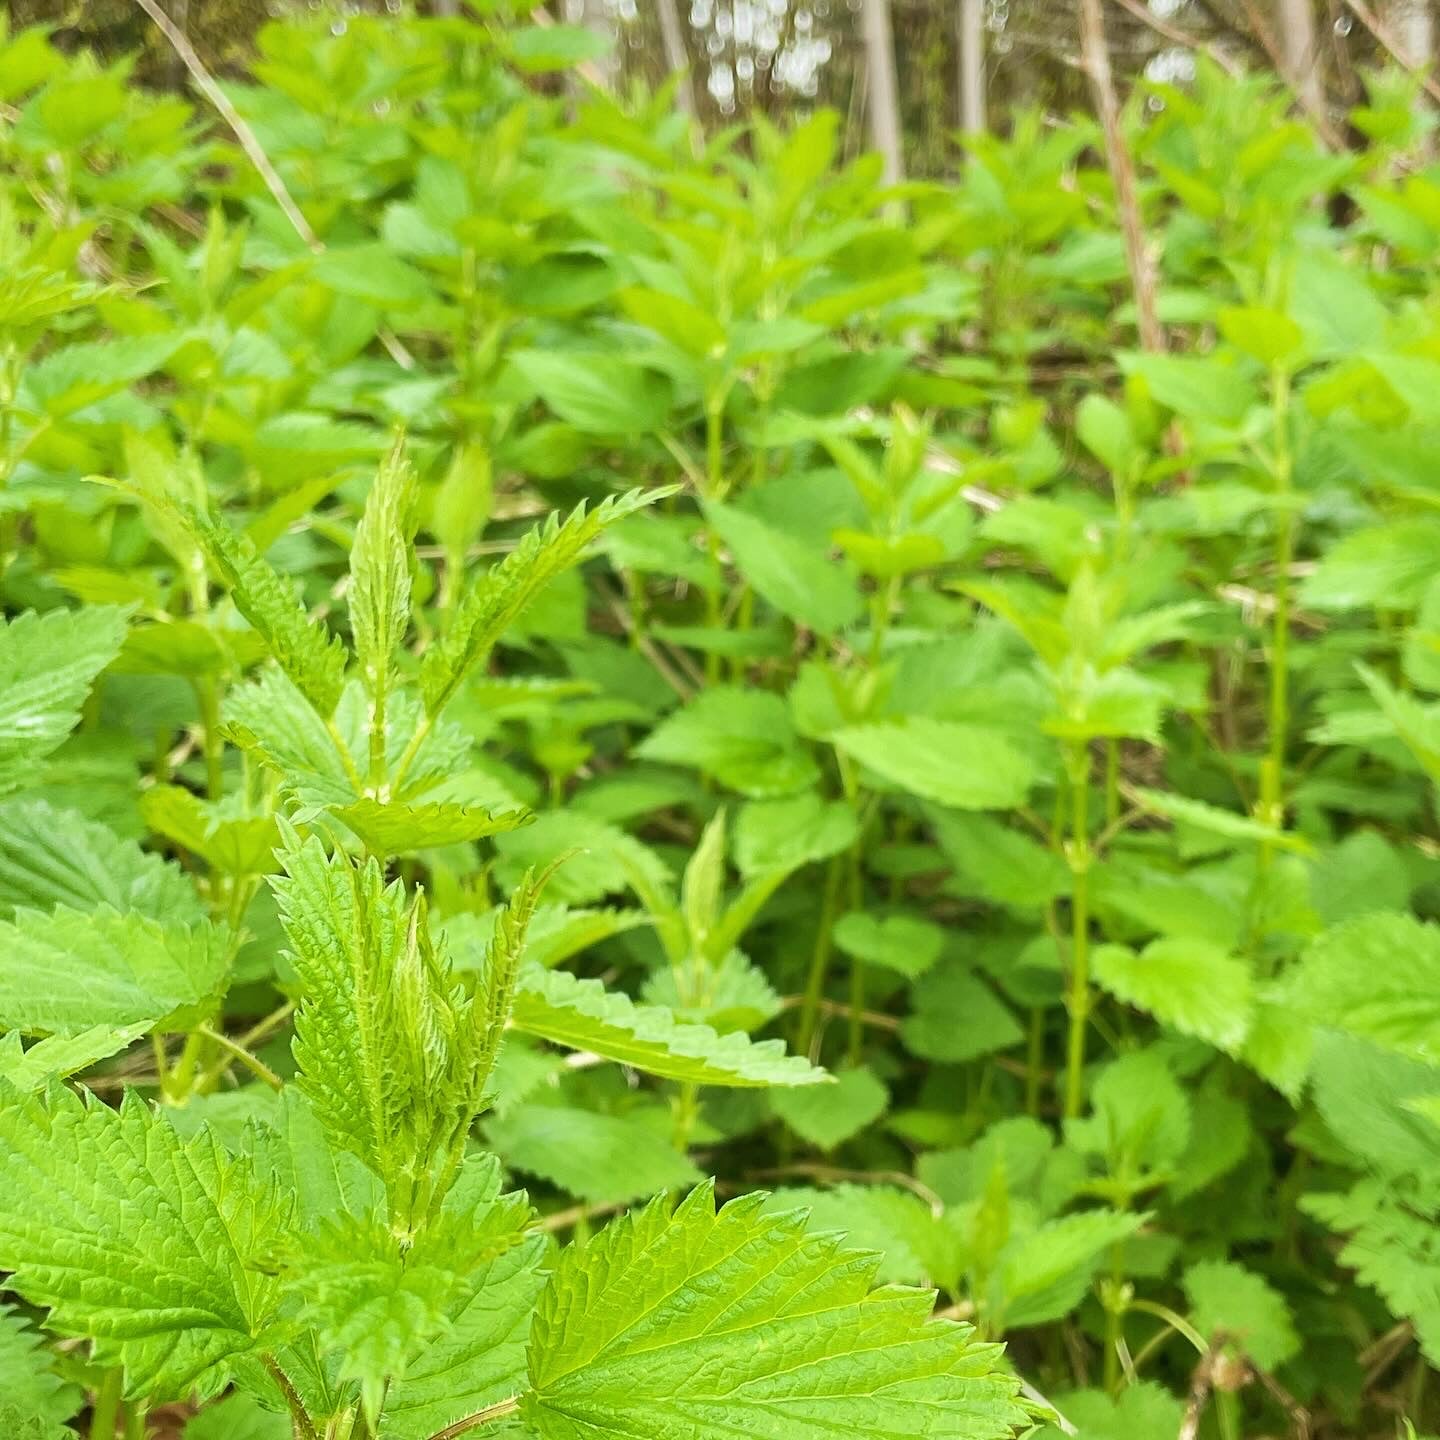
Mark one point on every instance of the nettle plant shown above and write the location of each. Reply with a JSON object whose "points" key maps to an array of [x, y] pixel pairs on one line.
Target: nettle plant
{"points": [[344, 1254]]}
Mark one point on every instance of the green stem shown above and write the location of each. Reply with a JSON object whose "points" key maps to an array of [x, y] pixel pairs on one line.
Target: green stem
{"points": [[480, 1418], [299, 1417], [714, 450], [1227, 1412], [180, 1083], [212, 746], [1272, 770], [1077, 767], [252, 1063], [105, 1414], [819, 959], [135, 1418]]}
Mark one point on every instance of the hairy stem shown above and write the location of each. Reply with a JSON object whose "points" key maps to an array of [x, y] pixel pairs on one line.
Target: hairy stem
{"points": [[299, 1416], [479, 1419]]}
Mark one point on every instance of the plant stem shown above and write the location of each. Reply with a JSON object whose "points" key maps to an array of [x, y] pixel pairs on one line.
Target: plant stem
{"points": [[481, 1417], [105, 1414], [819, 960], [1077, 766], [299, 1417], [1272, 770], [212, 746], [252, 1063]]}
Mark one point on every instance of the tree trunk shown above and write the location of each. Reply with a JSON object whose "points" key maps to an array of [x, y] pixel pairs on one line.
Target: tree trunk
{"points": [[1095, 56], [972, 66], [677, 58], [1301, 49], [883, 88]]}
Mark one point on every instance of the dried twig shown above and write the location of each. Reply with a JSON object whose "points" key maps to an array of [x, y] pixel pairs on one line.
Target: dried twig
{"points": [[1295, 83], [1176, 36], [1095, 56], [254, 151], [1385, 38], [249, 141]]}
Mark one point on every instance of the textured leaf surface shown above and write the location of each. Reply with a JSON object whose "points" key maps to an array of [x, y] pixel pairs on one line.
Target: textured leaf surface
{"points": [[497, 598], [47, 665], [68, 971], [692, 1325], [57, 1057], [1187, 983], [828, 1115], [479, 1359], [1227, 1299], [392, 828], [967, 766], [312, 657], [29, 1387], [1377, 976], [1046, 1273], [584, 1015], [51, 857], [80, 1184], [600, 1159]]}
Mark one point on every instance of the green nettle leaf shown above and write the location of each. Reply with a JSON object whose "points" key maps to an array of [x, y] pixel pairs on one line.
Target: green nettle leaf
{"points": [[798, 579], [906, 944], [381, 1032], [744, 738], [79, 1183], [377, 1299], [829, 1115], [600, 1159], [70, 970], [686, 1324], [970, 767], [393, 828], [1227, 1299], [57, 1057], [1225, 824], [1376, 976], [957, 1017], [1045, 1274], [597, 393], [47, 665], [30, 1390], [496, 599], [229, 841], [1189, 984], [584, 1015], [1144, 1410], [313, 659], [51, 857], [380, 563]]}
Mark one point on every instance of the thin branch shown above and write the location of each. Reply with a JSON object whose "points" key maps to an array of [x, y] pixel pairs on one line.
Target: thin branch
{"points": [[1385, 38], [481, 1417], [1294, 83], [1176, 36], [249, 142], [1096, 59], [254, 151]]}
